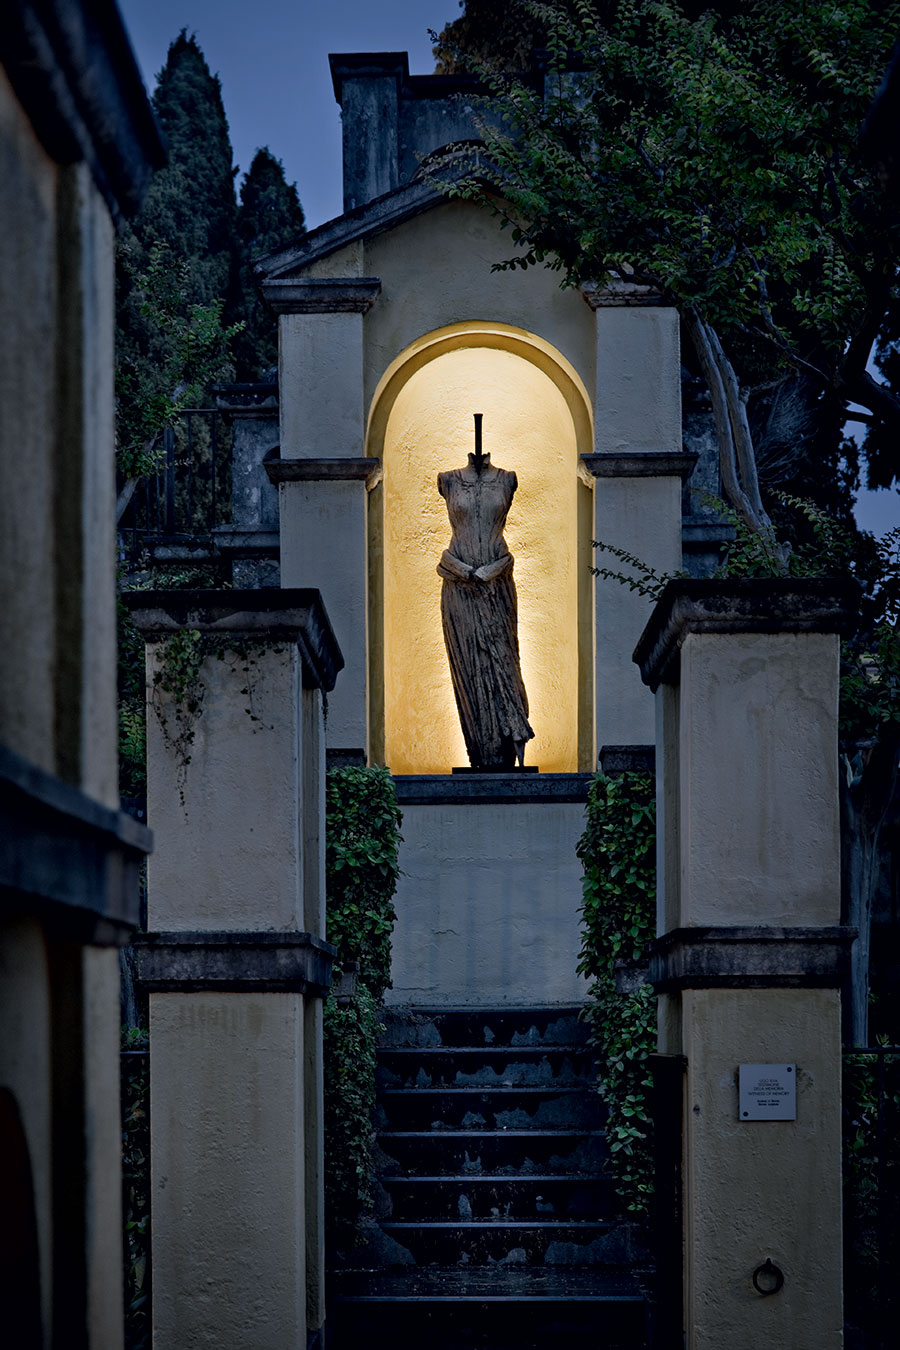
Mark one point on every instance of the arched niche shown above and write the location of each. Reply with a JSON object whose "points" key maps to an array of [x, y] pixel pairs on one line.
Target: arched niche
{"points": [[537, 421]]}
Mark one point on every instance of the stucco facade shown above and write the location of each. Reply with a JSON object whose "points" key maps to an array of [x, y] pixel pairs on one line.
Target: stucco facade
{"points": [[77, 146]]}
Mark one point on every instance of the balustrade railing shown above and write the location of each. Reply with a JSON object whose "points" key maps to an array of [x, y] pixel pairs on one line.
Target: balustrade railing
{"points": [[176, 507]]}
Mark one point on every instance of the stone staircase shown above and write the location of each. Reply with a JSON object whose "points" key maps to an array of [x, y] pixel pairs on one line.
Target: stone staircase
{"points": [[496, 1222]]}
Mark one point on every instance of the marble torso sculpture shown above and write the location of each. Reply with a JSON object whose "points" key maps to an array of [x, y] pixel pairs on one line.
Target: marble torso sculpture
{"points": [[478, 608]]}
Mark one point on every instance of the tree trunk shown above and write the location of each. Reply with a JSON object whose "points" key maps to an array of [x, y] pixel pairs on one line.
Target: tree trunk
{"points": [[867, 789], [737, 455]]}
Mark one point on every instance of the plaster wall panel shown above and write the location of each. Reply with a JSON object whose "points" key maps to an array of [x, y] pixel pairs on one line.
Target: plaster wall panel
{"points": [[314, 1159], [643, 517], [436, 270], [320, 358], [25, 1069], [99, 732], [758, 746], [323, 544], [487, 905], [103, 1145], [227, 1171], [638, 379], [763, 1188], [668, 811], [248, 732], [27, 432]]}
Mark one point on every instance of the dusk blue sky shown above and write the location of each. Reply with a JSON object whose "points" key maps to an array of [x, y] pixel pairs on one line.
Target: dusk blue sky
{"points": [[272, 59]]}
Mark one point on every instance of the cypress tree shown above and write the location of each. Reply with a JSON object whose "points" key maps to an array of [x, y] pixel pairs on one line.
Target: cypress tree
{"points": [[191, 204], [269, 217]]}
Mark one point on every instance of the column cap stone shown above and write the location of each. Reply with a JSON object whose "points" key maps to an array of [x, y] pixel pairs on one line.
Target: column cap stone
{"points": [[740, 605], [295, 615], [321, 295], [642, 464], [234, 961]]}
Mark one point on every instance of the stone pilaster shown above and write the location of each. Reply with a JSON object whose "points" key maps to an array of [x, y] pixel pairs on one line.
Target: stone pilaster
{"points": [[638, 469], [321, 477], [637, 507], [750, 955]]}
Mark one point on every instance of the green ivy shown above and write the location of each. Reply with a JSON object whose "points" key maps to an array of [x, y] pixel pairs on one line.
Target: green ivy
{"points": [[618, 853], [136, 1186], [361, 870], [351, 1029], [362, 834]]}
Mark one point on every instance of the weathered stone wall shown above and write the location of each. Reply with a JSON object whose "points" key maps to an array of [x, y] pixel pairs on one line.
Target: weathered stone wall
{"points": [[488, 898]]}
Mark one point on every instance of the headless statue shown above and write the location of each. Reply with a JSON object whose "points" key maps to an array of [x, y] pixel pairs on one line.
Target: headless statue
{"points": [[479, 613]]}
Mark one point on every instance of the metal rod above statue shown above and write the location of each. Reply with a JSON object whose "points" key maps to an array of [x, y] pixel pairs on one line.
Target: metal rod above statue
{"points": [[480, 614]]}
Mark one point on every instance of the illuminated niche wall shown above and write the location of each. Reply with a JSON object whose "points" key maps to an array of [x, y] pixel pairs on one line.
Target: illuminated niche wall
{"points": [[529, 428]]}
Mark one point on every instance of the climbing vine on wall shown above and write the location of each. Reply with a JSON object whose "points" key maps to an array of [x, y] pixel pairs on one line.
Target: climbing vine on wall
{"points": [[178, 676], [617, 851], [362, 833]]}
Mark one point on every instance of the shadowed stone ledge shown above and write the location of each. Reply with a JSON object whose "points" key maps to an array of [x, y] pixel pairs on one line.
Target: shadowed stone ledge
{"points": [[236, 962], [295, 615], [739, 605], [752, 957]]}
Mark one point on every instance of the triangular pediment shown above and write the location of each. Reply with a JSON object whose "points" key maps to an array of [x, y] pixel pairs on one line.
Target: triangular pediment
{"points": [[364, 222]]}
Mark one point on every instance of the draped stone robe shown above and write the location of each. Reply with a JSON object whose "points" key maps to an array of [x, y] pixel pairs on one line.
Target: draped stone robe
{"points": [[479, 612]]}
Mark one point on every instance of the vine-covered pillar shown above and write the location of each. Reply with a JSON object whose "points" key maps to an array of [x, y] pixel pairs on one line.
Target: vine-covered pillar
{"points": [[637, 471], [322, 473], [749, 958], [235, 962]]}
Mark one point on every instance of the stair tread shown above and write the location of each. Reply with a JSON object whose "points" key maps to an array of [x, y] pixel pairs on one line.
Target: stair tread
{"points": [[479, 1089], [492, 1178], [497, 1223], [503, 1048], [486, 1284], [501, 1134]]}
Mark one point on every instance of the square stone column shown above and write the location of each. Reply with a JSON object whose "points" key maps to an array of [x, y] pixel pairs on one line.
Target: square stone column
{"points": [[321, 475], [235, 963], [750, 955], [637, 508], [638, 469]]}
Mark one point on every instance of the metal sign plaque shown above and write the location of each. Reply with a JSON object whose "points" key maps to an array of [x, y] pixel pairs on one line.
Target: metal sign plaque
{"points": [[767, 1092]]}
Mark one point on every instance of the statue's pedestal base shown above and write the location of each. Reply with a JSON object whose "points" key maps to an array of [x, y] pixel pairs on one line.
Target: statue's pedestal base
{"points": [[526, 768], [489, 896]]}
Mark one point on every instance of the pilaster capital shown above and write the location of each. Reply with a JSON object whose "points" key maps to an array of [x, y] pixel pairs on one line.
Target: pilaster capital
{"points": [[321, 295], [617, 294], [323, 470], [641, 464]]}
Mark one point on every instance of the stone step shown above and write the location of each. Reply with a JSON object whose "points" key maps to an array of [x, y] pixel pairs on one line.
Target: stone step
{"points": [[480, 1066], [500, 1108], [492, 1197], [494, 1308], [510, 1242], [487, 1027], [499, 1152]]}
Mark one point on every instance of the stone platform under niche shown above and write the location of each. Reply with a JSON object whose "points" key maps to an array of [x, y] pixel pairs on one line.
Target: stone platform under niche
{"points": [[489, 896]]}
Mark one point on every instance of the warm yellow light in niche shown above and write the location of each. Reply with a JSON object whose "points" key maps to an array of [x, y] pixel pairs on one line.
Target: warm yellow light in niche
{"points": [[528, 428]]}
